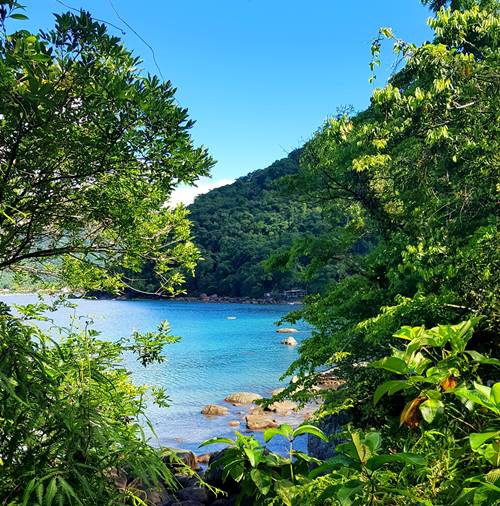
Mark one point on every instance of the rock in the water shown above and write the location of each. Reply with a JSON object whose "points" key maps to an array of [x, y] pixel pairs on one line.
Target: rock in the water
{"points": [[234, 423], [197, 494], [170, 455], [214, 410], [289, 341], [282, 408], [286, 331], [204, 458], [259, 421], [240, 398]]}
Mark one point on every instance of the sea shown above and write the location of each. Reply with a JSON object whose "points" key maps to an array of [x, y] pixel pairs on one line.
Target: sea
{"points": [[224, 348]]}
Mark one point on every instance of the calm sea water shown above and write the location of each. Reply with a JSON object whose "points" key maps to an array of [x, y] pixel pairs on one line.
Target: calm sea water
{"points": [[215, 357]]}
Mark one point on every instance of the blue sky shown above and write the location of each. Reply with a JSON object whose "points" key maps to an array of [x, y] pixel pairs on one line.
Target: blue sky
{"points": [[258, 76]]}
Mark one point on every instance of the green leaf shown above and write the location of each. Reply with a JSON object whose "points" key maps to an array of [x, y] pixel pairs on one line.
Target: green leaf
{"points": [[479, 438], [51, 491], [430, 408], [392, 364], [253, 455], [378, 461], [495, 394], [347, 490], [262, 480], [215, 440], [21, 17], [284, 430], [310, 429], [390, 387]]}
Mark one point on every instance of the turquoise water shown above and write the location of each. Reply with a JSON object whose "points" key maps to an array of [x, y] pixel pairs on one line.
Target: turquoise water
{"points": [[215, 357]]}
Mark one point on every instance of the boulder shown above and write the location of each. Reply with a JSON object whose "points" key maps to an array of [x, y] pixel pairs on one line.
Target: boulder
{"points": [[196, 494], [260, 422], [170, 456], [214, 474], [186, 480], [214, 410], [234, 423], [289, 341], [240, 398], [282, 408], [286, 331], [204, 458]]}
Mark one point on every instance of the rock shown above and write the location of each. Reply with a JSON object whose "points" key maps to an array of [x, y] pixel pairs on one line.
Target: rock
{"points": [[214, 475], [286, 331], [260, 422], [330, 425], [214, 410], [185, 480], [256, 410], [204, 458], [228, 501], [234, 423], [186, 456], [289, 341], [240, 398], [196, 494], [277, 391], [282, 408], [184, 503], [328, 380]]}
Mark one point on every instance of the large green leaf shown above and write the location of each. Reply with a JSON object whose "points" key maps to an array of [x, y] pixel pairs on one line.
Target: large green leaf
{"points": [[310, 429], [430, 408], [392, 364], [262, 480]]}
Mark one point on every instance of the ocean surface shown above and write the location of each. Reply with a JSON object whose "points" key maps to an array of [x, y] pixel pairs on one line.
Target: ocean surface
{"points": [[215, 357]]}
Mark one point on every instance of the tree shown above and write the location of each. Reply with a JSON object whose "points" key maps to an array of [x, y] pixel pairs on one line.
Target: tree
{"points": [[90, 150]]}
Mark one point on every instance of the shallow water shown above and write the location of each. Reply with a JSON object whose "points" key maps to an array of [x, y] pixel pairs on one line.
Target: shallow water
{"points": [[216, 356]]}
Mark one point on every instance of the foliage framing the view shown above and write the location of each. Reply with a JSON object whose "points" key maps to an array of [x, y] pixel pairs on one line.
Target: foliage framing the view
{"points": [[91, 150]]}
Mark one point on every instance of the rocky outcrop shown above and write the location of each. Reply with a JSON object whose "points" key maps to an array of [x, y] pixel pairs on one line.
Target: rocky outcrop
{"points": [[260, 421], [282, 408], [241, 398], [289, 341], [331, 425], [214, 410], [171, 456], [286, 331]]}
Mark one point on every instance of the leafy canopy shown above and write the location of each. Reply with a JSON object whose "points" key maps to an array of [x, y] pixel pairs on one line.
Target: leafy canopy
{"points": [[90, 151]]}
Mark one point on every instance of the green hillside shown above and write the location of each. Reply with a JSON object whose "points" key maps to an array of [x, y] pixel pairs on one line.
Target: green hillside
{"points": [[240, 225]]}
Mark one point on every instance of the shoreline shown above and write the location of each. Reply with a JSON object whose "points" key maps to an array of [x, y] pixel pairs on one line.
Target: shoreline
{"points": [[206, 299]]}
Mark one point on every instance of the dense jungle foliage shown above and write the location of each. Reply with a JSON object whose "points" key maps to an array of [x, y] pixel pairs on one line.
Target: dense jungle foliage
{"points": [[90, 149], [238, 226], [89, 152], [417, 176]]}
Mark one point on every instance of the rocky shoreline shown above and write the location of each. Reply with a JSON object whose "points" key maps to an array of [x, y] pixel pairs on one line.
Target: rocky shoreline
{"points": [[252, 416]]}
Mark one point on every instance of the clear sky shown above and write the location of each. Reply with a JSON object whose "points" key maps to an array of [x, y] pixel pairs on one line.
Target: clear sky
{"points": [[258, 76]]}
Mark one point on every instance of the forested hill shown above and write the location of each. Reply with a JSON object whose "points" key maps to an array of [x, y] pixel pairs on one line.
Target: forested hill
{"points": [[239, 225]]}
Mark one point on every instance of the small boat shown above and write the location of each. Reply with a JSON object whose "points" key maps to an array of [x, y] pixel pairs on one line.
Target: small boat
{"points": [[231, 317]]}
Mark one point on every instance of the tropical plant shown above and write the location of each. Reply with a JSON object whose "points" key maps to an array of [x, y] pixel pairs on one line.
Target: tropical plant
{"points": [[264, 476], [71, 420]]}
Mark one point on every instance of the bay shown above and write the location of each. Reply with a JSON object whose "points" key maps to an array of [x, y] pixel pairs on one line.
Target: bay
{"points": [[215, 357]]}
